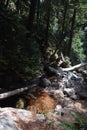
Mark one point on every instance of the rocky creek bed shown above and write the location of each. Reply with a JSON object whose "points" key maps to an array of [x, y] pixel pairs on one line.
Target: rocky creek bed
{"points": [[50, 102]]}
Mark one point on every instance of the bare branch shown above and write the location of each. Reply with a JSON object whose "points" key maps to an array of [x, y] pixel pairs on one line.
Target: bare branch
{"points": [[74, 67]]}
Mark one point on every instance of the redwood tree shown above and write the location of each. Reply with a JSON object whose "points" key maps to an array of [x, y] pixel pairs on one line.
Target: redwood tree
{"points": [[71, 33], [32, 14]]}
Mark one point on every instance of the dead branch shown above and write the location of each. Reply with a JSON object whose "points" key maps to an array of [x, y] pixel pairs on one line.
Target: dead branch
{"points": [[15, 92], [74, 67], [63, 59], [56, 71], [60, 71]]}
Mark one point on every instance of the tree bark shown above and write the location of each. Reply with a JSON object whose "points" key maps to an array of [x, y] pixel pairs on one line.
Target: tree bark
{"points": [[38, 16], [32, 14], [18, 5], [2, 3], [38, 10], [71, 33], [63, 27], [75, 67], [17, 91], [47, 21], [6, 3], [60, 71]]}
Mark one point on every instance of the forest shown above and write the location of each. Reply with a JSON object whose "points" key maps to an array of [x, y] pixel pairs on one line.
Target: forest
{"points": [[43, 64]]}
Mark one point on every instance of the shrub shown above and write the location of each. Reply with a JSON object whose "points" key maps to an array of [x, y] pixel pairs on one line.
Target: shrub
{"points": [[80, 123]]}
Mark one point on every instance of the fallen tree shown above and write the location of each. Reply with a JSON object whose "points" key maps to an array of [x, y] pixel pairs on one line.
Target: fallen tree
{"points": [[74, 67], [49, 70], [17, 91], [60, 71]]}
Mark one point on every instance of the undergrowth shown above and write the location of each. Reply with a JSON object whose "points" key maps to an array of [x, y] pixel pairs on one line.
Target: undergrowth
{"points": [[80, 123]]}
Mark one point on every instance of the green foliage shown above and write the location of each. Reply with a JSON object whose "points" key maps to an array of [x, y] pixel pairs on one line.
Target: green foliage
{"points": [[68, 62], [77, 53], [84, 40], [51, 122], [80, 123], [18, 52]]}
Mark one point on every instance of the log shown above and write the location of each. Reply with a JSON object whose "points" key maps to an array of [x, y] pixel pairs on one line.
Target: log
{"points": [[74, 67], [57, 72], [17, 91], [60, 71]]}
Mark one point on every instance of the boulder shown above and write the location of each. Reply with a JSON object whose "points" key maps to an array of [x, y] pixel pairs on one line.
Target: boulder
{"points": [[83, 95], [58, 110], [18, 119], [69, 91]]}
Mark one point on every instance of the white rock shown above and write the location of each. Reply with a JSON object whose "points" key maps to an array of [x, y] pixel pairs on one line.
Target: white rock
{"points": [[69, 91], [40, 117], [58, 110]]}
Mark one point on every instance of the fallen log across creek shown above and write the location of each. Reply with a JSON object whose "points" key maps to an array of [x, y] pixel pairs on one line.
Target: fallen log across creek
{"points": [[17, 91], [58, 72], [75, 67]]}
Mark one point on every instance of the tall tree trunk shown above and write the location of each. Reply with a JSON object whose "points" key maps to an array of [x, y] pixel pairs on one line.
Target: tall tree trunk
{"points": [[71, 33], [6, 3], [38, 10], [47, 21], [32, 14], [64, 18], [2, 2], [18, 5], [44, 41], [38, 15], [63, 27]]}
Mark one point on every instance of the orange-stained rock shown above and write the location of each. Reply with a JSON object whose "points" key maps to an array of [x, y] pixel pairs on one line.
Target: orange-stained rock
{"points": [[18, 119], [43, 102], [15, 119]]}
